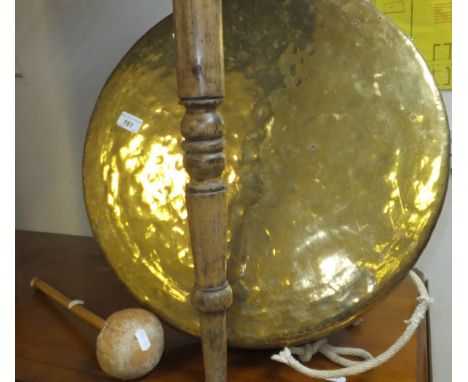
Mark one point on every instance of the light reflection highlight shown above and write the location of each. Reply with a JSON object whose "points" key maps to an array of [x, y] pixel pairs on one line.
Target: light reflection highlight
{"points": [[426, 192]]}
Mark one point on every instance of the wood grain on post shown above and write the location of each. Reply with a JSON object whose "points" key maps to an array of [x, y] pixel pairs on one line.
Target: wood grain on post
{"points": [[200, 78]]}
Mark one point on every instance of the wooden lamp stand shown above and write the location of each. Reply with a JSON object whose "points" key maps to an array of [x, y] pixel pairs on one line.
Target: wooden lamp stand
{"points": [[200, 80]]}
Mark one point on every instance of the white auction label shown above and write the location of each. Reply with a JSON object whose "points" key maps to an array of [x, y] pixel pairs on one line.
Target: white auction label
{"points": [[142, 339], [129, 122]]}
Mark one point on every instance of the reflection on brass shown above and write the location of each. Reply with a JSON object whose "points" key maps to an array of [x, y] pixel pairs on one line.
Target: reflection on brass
{"points": [[337, 150]]}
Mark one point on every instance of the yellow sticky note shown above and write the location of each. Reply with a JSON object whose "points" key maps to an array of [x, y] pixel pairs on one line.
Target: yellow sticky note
{"points": [[429, 24]]}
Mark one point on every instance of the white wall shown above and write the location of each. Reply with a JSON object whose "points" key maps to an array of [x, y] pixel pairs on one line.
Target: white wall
{"points": [[65, 49]]}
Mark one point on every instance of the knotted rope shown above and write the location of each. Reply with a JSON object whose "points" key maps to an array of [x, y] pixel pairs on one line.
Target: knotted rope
{"points": [[335, 353]]}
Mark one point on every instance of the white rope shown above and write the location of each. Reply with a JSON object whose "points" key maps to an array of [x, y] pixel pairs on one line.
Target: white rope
{"points": [[351, 367]]}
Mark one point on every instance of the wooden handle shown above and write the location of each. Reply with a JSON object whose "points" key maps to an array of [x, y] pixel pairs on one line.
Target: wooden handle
{"points": [[77, 309], [200, 76]]}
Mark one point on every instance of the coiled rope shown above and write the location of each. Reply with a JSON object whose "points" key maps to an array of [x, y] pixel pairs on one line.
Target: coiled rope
{"points": [[336, 353]]}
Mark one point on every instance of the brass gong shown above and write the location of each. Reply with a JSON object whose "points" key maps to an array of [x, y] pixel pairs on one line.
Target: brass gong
{"points": [[337, 149]]}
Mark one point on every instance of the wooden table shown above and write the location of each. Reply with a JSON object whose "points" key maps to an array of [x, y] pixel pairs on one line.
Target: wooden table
{"points": [[53, 345]]}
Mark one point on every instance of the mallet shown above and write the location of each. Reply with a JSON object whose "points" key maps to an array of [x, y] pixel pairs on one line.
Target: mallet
{"points": [[130, 342]]}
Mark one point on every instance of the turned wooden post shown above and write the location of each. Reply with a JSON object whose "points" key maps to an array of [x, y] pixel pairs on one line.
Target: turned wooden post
{"points": [[200, 79]]}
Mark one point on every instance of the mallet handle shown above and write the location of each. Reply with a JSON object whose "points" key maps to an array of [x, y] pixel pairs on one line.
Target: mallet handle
{"points": [[77, 309]]}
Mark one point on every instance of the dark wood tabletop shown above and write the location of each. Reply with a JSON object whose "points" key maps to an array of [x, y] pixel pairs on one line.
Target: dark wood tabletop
{"points": [[53, 345]]}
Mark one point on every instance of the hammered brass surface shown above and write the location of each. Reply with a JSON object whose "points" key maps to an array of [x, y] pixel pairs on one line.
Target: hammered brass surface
{"points": [[337, 150]]}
